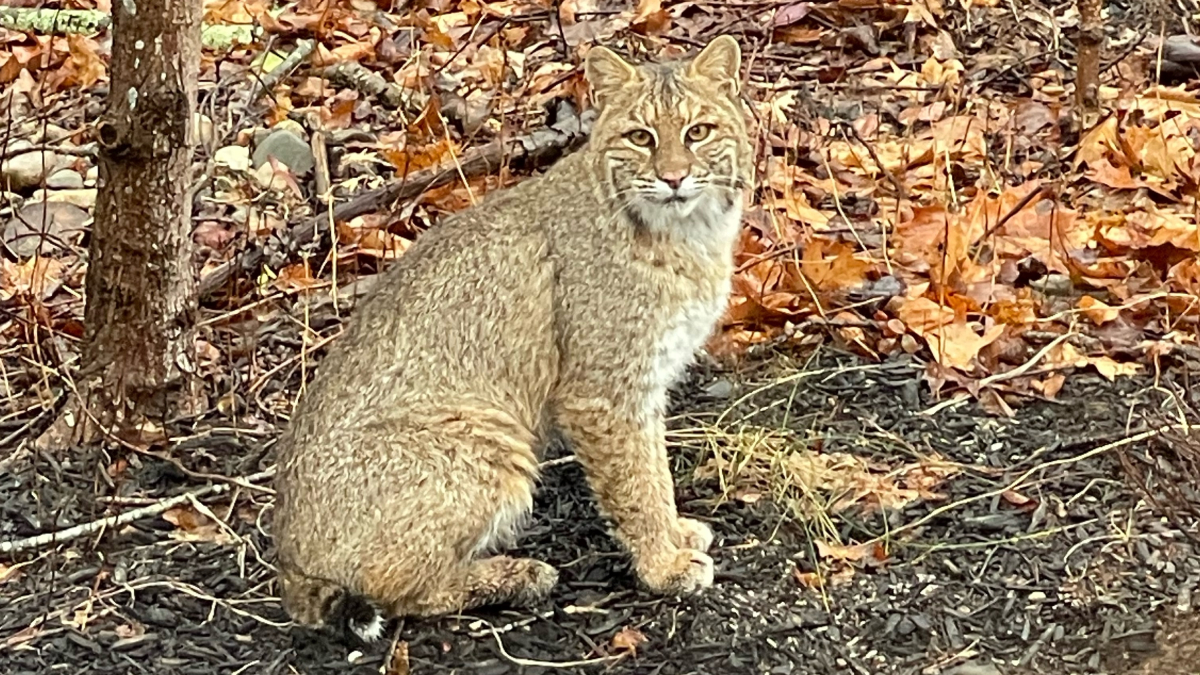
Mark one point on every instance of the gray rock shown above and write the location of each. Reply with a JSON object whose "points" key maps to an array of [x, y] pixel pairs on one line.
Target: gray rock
{"points": [[65, 180], [202, 129], [28, 169], [719, 389], [44, 227], [290, 125], [55, 133], [287, 148], [84, 198]]}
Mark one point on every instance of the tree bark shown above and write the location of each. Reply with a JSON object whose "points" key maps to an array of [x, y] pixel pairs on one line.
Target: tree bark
{"points": [[140, 314], [1087, 64]]}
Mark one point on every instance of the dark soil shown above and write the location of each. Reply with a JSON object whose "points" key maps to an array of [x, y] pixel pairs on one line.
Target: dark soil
{"points": [[1079, 578]]}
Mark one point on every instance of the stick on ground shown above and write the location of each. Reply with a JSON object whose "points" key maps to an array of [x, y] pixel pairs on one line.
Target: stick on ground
{"points": [[94, 526]]}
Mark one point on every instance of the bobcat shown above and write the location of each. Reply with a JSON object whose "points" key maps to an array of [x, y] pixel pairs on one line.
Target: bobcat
{"points": [[569, 303]]}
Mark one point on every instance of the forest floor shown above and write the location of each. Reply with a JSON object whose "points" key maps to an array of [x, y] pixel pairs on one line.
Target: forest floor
{"points": [[1048, 542], [948, 427]]}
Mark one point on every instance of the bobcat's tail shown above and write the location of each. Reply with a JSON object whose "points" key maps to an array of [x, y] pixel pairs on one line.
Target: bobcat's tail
{"points": [[320, 603]]}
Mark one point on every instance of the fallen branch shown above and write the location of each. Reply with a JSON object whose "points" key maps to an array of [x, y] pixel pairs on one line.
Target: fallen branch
{"points": [[118, 520], [533, 150], [54, 21], [268, 81], [356, 76], [90, 21]]}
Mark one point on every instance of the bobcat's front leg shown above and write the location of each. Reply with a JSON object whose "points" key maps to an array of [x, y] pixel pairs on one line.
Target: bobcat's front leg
{"points": [[625, 460]]}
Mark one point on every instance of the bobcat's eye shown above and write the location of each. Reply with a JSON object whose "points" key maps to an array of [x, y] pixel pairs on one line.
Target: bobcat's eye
{"points": [[640, 138], [699, 132]]}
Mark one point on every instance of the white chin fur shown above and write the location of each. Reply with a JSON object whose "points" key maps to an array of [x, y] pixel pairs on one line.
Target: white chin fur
{"points": [[370, 631], [702, 217]]}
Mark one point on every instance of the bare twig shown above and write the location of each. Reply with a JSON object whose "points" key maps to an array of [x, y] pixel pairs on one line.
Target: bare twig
{"points": [[548, 664], [94, 526], [358, 77], [268, 81], [1044, 191]]}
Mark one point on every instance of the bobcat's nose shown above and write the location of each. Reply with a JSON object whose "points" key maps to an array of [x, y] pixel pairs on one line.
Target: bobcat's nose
{"points": [[673, 179]]}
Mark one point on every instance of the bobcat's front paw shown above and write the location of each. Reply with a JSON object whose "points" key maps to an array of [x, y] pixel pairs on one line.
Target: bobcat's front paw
{"points": [[693, 534], [688, 571]]}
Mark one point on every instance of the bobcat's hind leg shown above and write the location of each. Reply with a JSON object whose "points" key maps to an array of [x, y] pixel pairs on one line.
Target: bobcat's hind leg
{"points": [[500, 580]]}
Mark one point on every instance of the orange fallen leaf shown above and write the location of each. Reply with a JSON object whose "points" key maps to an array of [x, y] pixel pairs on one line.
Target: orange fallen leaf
{"points": [[84, 67], [852, 552], [398, 664], [1111, 369], [1016, 498], [627, 640], [808, 579], [956, 345], [33, 278], [1097, 311], [296, 277]]}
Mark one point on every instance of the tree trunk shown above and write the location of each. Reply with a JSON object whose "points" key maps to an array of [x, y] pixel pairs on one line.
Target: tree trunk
{"points": [[1087, 64], [140, 314]]}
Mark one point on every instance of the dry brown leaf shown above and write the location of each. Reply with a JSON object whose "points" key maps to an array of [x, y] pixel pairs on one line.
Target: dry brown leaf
{"points": [[1098, 312], [650, 18], [191, 525], [128, 630], [32, 279], [1016, 498], [627, 640], [1111, 369], [84, 67], [1101, 144], [832, 266], [185, 518], [851, 552], [297, 277], [398, 664], [1050, 386], [957, 344]]}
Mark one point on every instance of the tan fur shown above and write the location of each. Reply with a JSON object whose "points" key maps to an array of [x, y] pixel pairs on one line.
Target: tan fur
{"points": [[574, 299]]}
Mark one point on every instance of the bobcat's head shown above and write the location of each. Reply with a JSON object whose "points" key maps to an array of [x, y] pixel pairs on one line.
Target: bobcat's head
{"points": [[672, 136]]}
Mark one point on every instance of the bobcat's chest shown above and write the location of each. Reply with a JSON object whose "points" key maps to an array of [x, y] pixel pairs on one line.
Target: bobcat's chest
{"points": [[685, 332]]}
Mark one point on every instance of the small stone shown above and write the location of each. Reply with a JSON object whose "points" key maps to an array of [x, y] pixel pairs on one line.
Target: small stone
{"points": [[719, 389], [65, 180], [236, 157], [43, 227], [290, 125], [344, 136], [202, 129], [287, 148], [55, 133], [84, 198], [28, 169], [1053, 284], [92, 175]]}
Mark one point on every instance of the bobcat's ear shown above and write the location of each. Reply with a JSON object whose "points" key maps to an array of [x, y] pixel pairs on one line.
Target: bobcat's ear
{"points": [[719, 62], [607, 73]]}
